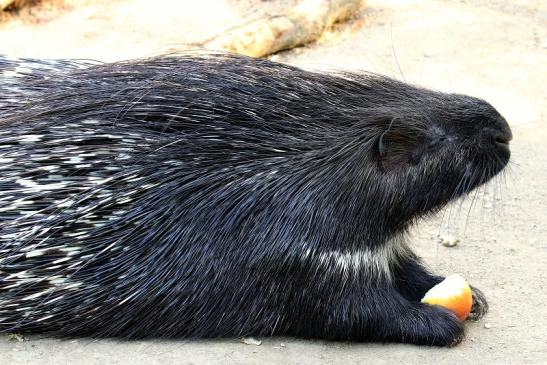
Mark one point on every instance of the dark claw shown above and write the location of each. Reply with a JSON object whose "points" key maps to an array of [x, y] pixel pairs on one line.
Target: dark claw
{"points": [[480, 305]]}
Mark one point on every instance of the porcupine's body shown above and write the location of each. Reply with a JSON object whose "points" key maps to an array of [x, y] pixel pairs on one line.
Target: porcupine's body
{"points": [[204, 196]]}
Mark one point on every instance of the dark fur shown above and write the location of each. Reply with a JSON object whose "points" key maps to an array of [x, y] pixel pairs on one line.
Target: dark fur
{"points": [[242, 197]]}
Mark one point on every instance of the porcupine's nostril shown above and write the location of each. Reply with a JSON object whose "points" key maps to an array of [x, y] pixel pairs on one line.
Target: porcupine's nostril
{"points": [[499, 136], [501, 139], [502, 132]]}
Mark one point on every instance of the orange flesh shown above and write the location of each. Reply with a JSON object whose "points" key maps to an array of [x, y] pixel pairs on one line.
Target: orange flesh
{"points": [[454, 294]]}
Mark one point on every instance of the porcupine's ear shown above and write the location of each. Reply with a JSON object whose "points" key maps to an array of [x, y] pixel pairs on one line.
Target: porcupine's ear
{"points": [[398, 145]]}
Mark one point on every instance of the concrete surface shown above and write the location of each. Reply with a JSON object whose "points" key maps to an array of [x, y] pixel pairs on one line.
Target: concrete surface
{"points": [[496, 50]]}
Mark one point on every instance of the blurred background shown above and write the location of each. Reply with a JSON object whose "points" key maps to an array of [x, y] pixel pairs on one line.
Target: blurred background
{"points": [[492, 49]]}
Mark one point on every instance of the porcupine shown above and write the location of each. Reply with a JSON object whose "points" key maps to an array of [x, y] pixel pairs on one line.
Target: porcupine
{"points": [[216, 195]]}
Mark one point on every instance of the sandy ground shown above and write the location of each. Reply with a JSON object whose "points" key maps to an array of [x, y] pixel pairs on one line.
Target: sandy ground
{"points": [[496, 50]]}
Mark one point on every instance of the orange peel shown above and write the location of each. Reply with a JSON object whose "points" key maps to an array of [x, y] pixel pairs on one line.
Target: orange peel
{"points": [[453, 293]]}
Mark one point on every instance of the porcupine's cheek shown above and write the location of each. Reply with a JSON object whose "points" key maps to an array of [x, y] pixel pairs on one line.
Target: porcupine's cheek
{"points": [[432, 184]]}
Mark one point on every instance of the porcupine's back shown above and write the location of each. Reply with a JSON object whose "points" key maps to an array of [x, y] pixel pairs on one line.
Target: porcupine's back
{"points": [[15, 73]]}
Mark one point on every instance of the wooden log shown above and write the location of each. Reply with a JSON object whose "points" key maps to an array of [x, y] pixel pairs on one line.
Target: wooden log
{"points": [[5, 3], [14, 4], [302, 24]]}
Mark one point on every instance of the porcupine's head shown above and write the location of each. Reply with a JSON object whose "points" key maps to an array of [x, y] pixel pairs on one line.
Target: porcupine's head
{"points": [[428, 148]]}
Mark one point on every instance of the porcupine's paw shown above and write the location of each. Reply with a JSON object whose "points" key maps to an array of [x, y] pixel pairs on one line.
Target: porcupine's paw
{"points": [[480, 305], [429, 325]]}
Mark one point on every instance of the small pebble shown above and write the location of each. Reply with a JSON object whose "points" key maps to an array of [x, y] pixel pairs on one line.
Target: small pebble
{"points": [[449, 241], [487, 325], [251, 341], [16, 337]]}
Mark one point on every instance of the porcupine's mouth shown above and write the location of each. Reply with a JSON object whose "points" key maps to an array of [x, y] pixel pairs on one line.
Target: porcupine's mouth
{"points": [[491, 155], [500, 155], [501, 142], [481, 172]]}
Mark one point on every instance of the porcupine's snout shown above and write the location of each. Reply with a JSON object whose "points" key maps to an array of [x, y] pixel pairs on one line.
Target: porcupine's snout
{"points": [[483, 135]]}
